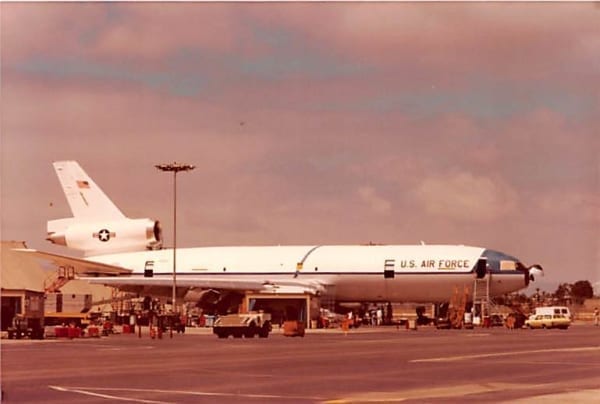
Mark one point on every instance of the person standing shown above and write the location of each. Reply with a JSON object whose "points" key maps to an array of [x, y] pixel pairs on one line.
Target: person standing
{"points": [[596, 317]]}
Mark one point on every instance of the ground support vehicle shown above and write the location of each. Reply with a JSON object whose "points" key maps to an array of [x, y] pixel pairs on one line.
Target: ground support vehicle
{"points": [[66, 324], [174, 321], [553, 310], [443, 323], [548, 321], [296, 328], [26, 327], [245, 325]]}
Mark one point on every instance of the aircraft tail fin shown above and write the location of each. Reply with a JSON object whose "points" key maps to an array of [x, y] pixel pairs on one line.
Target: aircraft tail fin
{"points": [[97, 226], [86, 200]]}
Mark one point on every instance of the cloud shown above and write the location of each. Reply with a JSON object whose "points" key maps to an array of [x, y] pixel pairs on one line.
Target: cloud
{"points": [[467, 197], [571, 207], [376, 203], [313, 122], [91, 72], [548, 150]]}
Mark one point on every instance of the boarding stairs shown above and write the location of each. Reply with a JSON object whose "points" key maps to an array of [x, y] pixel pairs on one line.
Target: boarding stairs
{"points": [[59, 278], [481, 295]]}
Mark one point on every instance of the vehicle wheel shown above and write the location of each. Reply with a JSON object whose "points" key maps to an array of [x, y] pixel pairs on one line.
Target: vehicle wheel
{"points": [[264, 331], [251, 331], [222, 334], [237, 334]]}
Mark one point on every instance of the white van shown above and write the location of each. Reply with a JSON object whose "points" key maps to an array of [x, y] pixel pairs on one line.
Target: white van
{"points": [[551, 310]]}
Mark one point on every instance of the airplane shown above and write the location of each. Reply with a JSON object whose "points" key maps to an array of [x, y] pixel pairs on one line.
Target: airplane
{"points": [[128, 254]]}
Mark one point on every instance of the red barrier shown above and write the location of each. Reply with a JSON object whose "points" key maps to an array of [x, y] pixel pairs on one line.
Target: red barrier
{"points": [[61, 332], [74, 332]]}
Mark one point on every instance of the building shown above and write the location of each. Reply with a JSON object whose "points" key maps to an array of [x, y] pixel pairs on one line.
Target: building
{"points": [[22, 283], [24, 288]]}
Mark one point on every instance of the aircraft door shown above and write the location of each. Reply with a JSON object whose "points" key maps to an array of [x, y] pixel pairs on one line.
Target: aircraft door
{"points": [[149, 269], [481, 269], [389, 269]]}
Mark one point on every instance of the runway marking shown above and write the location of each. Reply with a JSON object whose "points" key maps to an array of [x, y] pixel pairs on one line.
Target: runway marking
{"points": [[88, 391], [80, 390], [129, 349], [563, 363], [429, 393], [582, 396], [499, 354]]}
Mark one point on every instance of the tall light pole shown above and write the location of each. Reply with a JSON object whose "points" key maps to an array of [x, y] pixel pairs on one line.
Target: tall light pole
{"points": [[174, 168]]}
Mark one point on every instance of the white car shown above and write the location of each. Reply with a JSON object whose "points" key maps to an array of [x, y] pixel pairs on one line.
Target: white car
{"points": [[548, 321]]}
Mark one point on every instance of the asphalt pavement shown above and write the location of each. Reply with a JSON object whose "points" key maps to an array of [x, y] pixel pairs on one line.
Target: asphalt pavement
{"points": [[380, 364]]}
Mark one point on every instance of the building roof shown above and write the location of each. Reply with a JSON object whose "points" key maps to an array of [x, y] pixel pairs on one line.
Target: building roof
{"points": [[19, 271]]}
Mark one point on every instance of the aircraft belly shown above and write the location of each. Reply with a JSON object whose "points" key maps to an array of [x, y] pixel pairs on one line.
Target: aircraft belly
{"points": [[506, 283], [417, 287]]}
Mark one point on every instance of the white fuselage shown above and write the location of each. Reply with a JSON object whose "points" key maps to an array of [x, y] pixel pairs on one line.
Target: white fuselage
{"points": [[417, 273]]}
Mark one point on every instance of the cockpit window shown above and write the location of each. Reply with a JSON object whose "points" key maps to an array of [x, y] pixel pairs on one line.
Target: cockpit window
{"points": [[495, 257]]}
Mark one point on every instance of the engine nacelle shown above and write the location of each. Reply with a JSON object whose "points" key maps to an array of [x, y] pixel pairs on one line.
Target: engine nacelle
{"points": [[212, 300], [202, 296], [96, 237]]}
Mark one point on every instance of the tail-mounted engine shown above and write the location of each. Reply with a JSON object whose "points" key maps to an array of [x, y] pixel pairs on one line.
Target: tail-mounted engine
{"points": [[101, 237]]}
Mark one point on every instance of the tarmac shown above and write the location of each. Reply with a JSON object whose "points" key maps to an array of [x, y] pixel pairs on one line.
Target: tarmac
{"points": [[369, 364]]}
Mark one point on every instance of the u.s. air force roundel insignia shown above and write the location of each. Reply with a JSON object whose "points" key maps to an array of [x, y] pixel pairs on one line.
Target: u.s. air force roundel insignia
{"points": [[104, 235]]}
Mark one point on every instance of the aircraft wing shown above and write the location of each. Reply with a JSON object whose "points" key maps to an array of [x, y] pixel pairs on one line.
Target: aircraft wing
{"points": [[79, 265], [209, 282], [122, 278]]}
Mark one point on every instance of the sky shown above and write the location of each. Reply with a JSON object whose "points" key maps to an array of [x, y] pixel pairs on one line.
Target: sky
{"points": [[314, 123]]}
